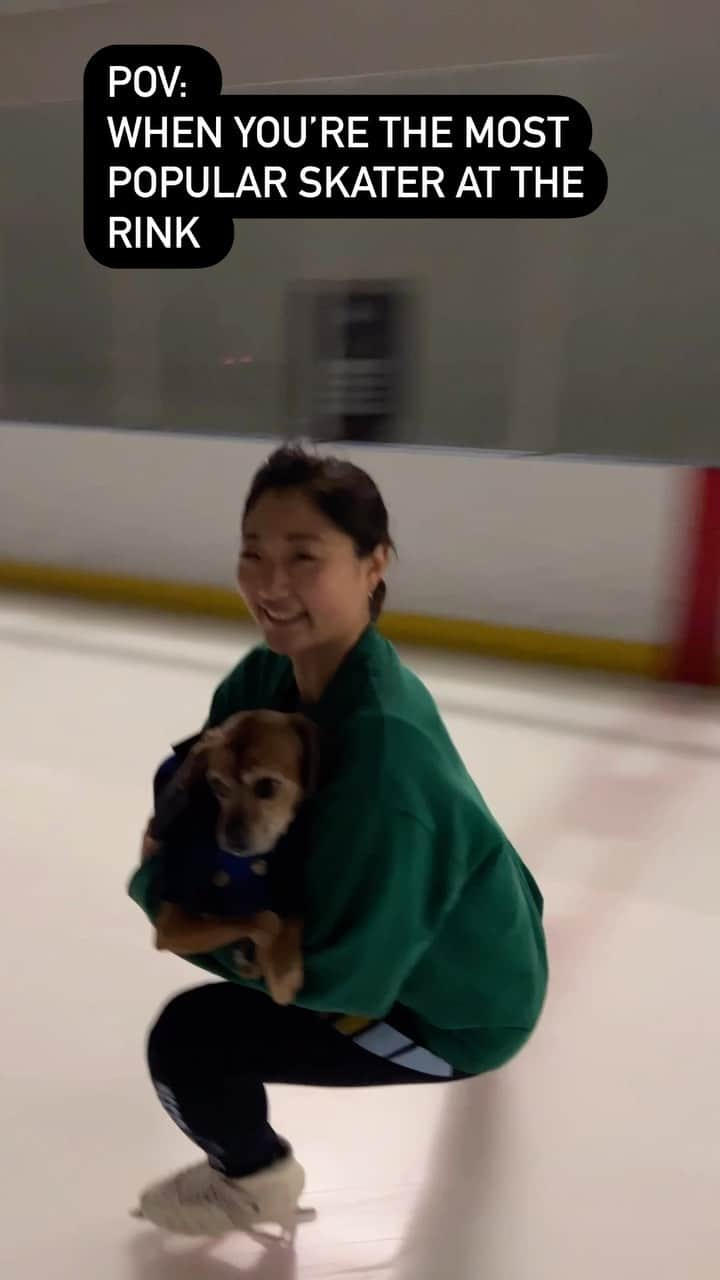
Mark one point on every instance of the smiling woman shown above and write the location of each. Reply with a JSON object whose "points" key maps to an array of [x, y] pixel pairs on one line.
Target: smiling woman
{"points": [[423, 952], [315, 550]]}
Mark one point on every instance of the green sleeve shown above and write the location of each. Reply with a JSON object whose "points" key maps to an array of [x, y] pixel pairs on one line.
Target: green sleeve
{"points": [[143, 891], [143, 887], [374, 905], [238, 691], [227, 698], [248, 687], [143, 884]]}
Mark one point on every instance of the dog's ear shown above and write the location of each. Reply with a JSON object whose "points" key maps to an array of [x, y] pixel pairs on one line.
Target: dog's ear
{"points": [[178, 791], [233, 731], [309, 736]]}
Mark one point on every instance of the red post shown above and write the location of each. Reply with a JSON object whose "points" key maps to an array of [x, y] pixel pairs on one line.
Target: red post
{"points": [[695, 657]]}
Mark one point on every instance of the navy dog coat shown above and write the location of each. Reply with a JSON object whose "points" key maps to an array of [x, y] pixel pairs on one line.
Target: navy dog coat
{"points": [[202, 878]]}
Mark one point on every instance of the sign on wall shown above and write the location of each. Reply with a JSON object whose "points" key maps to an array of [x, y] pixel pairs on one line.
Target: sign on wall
{"points": [[348, 359]]}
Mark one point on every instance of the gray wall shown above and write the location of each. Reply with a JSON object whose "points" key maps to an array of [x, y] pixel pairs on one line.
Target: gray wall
{"points": [[595, 336], [42, 55]]}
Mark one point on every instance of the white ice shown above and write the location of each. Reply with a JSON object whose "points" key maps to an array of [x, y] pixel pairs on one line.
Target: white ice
{"points": [[595, 1153]]}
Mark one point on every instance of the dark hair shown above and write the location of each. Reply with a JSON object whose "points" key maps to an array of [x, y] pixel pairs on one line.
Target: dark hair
{"points": [[346, 495]]}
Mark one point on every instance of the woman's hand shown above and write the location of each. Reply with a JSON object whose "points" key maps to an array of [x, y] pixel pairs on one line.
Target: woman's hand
{"points": [[185, 935]]}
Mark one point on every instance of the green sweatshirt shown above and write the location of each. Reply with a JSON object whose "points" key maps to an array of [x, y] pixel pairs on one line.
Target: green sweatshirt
{"points": [[414, 896]]}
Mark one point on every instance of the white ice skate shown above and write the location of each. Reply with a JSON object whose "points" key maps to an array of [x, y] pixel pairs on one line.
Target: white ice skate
{"points": [[202, 1202]]}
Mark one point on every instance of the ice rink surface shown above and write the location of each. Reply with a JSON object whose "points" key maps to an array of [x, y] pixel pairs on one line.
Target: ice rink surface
{"points": [[595, 1153]]}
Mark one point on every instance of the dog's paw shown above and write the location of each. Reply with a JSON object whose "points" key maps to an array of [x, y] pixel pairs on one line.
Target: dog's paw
{"points": [[282, 967], [244, 966], [284, 987], [267, 928]]}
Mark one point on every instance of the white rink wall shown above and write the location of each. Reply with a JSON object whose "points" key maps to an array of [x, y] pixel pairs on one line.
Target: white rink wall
{"points": [[584, 548]]}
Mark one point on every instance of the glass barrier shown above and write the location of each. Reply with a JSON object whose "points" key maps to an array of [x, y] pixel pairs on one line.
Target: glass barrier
{"points": [[594, 336]]}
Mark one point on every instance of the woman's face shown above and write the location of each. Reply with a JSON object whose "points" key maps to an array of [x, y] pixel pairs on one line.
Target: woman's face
{"points": [[300, 576]]}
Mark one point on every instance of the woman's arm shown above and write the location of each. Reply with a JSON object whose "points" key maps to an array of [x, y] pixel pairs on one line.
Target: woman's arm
{"points": [[374, 903], [230, 695]]}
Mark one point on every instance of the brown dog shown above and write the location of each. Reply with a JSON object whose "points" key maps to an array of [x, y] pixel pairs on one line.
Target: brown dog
{"points": [[260, 766]]}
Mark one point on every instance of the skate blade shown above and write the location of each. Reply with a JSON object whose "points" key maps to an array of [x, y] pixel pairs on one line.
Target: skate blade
{"points": [[301, 1215]]}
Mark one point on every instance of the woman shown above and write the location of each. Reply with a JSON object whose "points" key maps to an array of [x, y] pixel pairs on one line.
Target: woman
{"points": [[424, 951]]}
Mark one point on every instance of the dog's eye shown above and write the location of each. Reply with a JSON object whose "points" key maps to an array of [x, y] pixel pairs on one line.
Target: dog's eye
{"points": [[265, 788], [219, 787]]}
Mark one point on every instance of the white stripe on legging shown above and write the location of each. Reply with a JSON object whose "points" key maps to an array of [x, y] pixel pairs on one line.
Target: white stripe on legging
{"points": [[429, 1064], [386, 1042], [382, 1040]]}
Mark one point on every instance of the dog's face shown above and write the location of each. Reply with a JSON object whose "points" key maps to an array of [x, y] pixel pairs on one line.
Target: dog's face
{"points": [[260, 766]]}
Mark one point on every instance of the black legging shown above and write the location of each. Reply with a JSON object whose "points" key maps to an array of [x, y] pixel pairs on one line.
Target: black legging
{"points": [[214, 1048]]}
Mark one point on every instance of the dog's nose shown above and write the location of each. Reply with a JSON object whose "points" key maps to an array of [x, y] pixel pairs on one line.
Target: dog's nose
{"points": [[236, 835]]}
